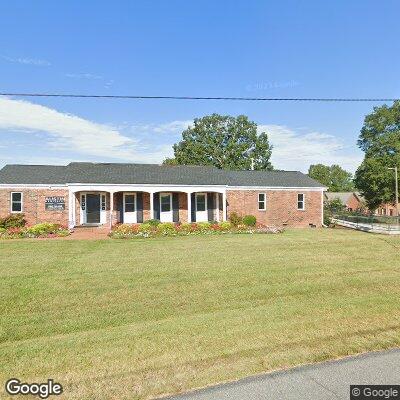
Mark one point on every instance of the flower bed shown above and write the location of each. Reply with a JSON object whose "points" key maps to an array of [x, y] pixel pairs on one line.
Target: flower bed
{"points": [[152, 229], [44, 230]]}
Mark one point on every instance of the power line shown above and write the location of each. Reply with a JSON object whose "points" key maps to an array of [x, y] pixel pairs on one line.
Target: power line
{"points": [[137, 97]]}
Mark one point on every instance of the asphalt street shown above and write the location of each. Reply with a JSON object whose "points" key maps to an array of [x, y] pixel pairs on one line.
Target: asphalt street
{"points": [[328, 380]]}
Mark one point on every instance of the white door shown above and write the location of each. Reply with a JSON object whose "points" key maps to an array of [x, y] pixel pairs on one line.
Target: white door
{"points": [[201, 207], [130, 216], [166, 207]]}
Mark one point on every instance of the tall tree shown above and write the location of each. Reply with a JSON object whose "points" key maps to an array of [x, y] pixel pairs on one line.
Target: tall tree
{"points": [[380, 140], [334, 177], [224, 142]]}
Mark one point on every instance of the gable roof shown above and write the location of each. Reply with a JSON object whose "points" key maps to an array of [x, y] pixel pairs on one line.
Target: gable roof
{"points": [[119, 173], [344, 197]]}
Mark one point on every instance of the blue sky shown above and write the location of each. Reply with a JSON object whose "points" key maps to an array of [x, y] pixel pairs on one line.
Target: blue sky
{"points": [[205, 48]]}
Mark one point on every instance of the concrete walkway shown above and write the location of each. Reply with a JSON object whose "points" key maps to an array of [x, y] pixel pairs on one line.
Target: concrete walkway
{"points": [[328, 380]]}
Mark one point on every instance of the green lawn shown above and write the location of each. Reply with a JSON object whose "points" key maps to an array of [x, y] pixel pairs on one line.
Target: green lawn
{"points": [[141, 318]]}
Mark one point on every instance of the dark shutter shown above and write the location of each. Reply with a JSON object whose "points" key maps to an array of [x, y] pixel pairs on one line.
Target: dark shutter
{"points": [[175, 207], [139, 203], [193, 206], [210, 206], [120, 206], [220, 201], [156, 205]]}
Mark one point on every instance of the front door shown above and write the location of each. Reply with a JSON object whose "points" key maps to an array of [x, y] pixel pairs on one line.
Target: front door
{"points": [[201, 207], [92, 208], [130, 216], [166, 207]]}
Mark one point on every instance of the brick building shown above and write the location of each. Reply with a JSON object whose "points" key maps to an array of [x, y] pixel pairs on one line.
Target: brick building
{"points": [[105, 194], [352, 201]]}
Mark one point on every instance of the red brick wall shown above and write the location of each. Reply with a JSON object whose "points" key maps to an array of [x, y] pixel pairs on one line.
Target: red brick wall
{"points": [[34, 205], [353, 203], [281, 207]]}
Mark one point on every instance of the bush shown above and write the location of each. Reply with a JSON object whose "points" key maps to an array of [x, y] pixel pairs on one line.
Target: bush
{"points": [[166, 229], [13, 221], [153, 222], [146, 228], [249, 220], [45, 228], [235, 219], [225, 226]]}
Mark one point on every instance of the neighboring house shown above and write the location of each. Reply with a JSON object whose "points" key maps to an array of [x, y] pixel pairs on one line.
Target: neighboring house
{"points": [[386, 209], [99, 193], [352, 201]]}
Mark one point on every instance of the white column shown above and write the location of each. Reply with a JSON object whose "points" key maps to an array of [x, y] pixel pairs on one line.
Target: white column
{"points": [[217, 206], [189, 206], [151, 205], [71, 207], [224, 206], [111, 208]]}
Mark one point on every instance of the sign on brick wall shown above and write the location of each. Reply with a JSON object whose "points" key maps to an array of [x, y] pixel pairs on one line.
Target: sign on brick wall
{"points": [[55, 203]]}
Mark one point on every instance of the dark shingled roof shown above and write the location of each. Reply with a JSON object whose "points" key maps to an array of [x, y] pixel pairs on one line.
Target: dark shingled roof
{"points": [[149, 174]]}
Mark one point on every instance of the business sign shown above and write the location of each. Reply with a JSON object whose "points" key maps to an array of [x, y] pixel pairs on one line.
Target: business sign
{"points": [[55, 203]]}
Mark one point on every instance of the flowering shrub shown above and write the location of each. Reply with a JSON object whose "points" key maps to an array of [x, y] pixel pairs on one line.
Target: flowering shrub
{"points": [[45, 229], [145, 230], [13, 221]]}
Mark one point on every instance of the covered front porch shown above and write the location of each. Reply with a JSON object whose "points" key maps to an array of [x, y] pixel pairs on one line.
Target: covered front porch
{"points": [[95, 205]]}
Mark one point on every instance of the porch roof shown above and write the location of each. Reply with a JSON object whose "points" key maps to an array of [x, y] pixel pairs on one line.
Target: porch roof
{"points": [[118, 173]]}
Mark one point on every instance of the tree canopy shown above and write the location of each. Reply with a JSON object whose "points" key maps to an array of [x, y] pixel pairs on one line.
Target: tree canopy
{"points": [[225, 142], [334, 177], [380, 140]]}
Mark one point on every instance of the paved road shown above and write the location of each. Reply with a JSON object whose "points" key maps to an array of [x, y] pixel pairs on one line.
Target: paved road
{"points": [[329, 380]]}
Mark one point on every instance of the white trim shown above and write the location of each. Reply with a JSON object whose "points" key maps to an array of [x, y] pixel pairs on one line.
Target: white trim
{"points": [[170, 212], [224, 206], [263, 201], [103, 213], [189, 207], [217, 206], [262, 188], [134, 194], [186, 188], [11, 203], [201, 219], [303, 201], [30, 186]]}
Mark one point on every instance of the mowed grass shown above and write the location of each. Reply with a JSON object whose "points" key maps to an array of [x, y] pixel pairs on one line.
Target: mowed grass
{"points": [[117, 319]]}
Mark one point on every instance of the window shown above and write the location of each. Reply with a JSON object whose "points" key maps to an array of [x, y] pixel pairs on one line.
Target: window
{"points": [[200, 202], [16, 202], [129, 203], [300, 201], [165, 202], [103, 202], [262, 204], [391, 212]]}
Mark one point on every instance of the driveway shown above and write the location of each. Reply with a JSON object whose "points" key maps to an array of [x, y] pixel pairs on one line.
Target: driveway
{"points": [[328, 380]]}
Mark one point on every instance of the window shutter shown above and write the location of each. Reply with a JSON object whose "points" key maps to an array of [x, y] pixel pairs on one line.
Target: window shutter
{"points": [[193, 210], [139, 203], [210, 206], [120, 206], [157, 205], [175, 207]]}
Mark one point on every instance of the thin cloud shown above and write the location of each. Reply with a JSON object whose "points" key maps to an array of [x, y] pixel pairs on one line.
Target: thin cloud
{"points": [[66, 132], [85, 76], [294, 150], [27, 61]]}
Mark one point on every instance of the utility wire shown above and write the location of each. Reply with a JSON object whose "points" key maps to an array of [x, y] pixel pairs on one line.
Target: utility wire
{"points": [[136, 97]]}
